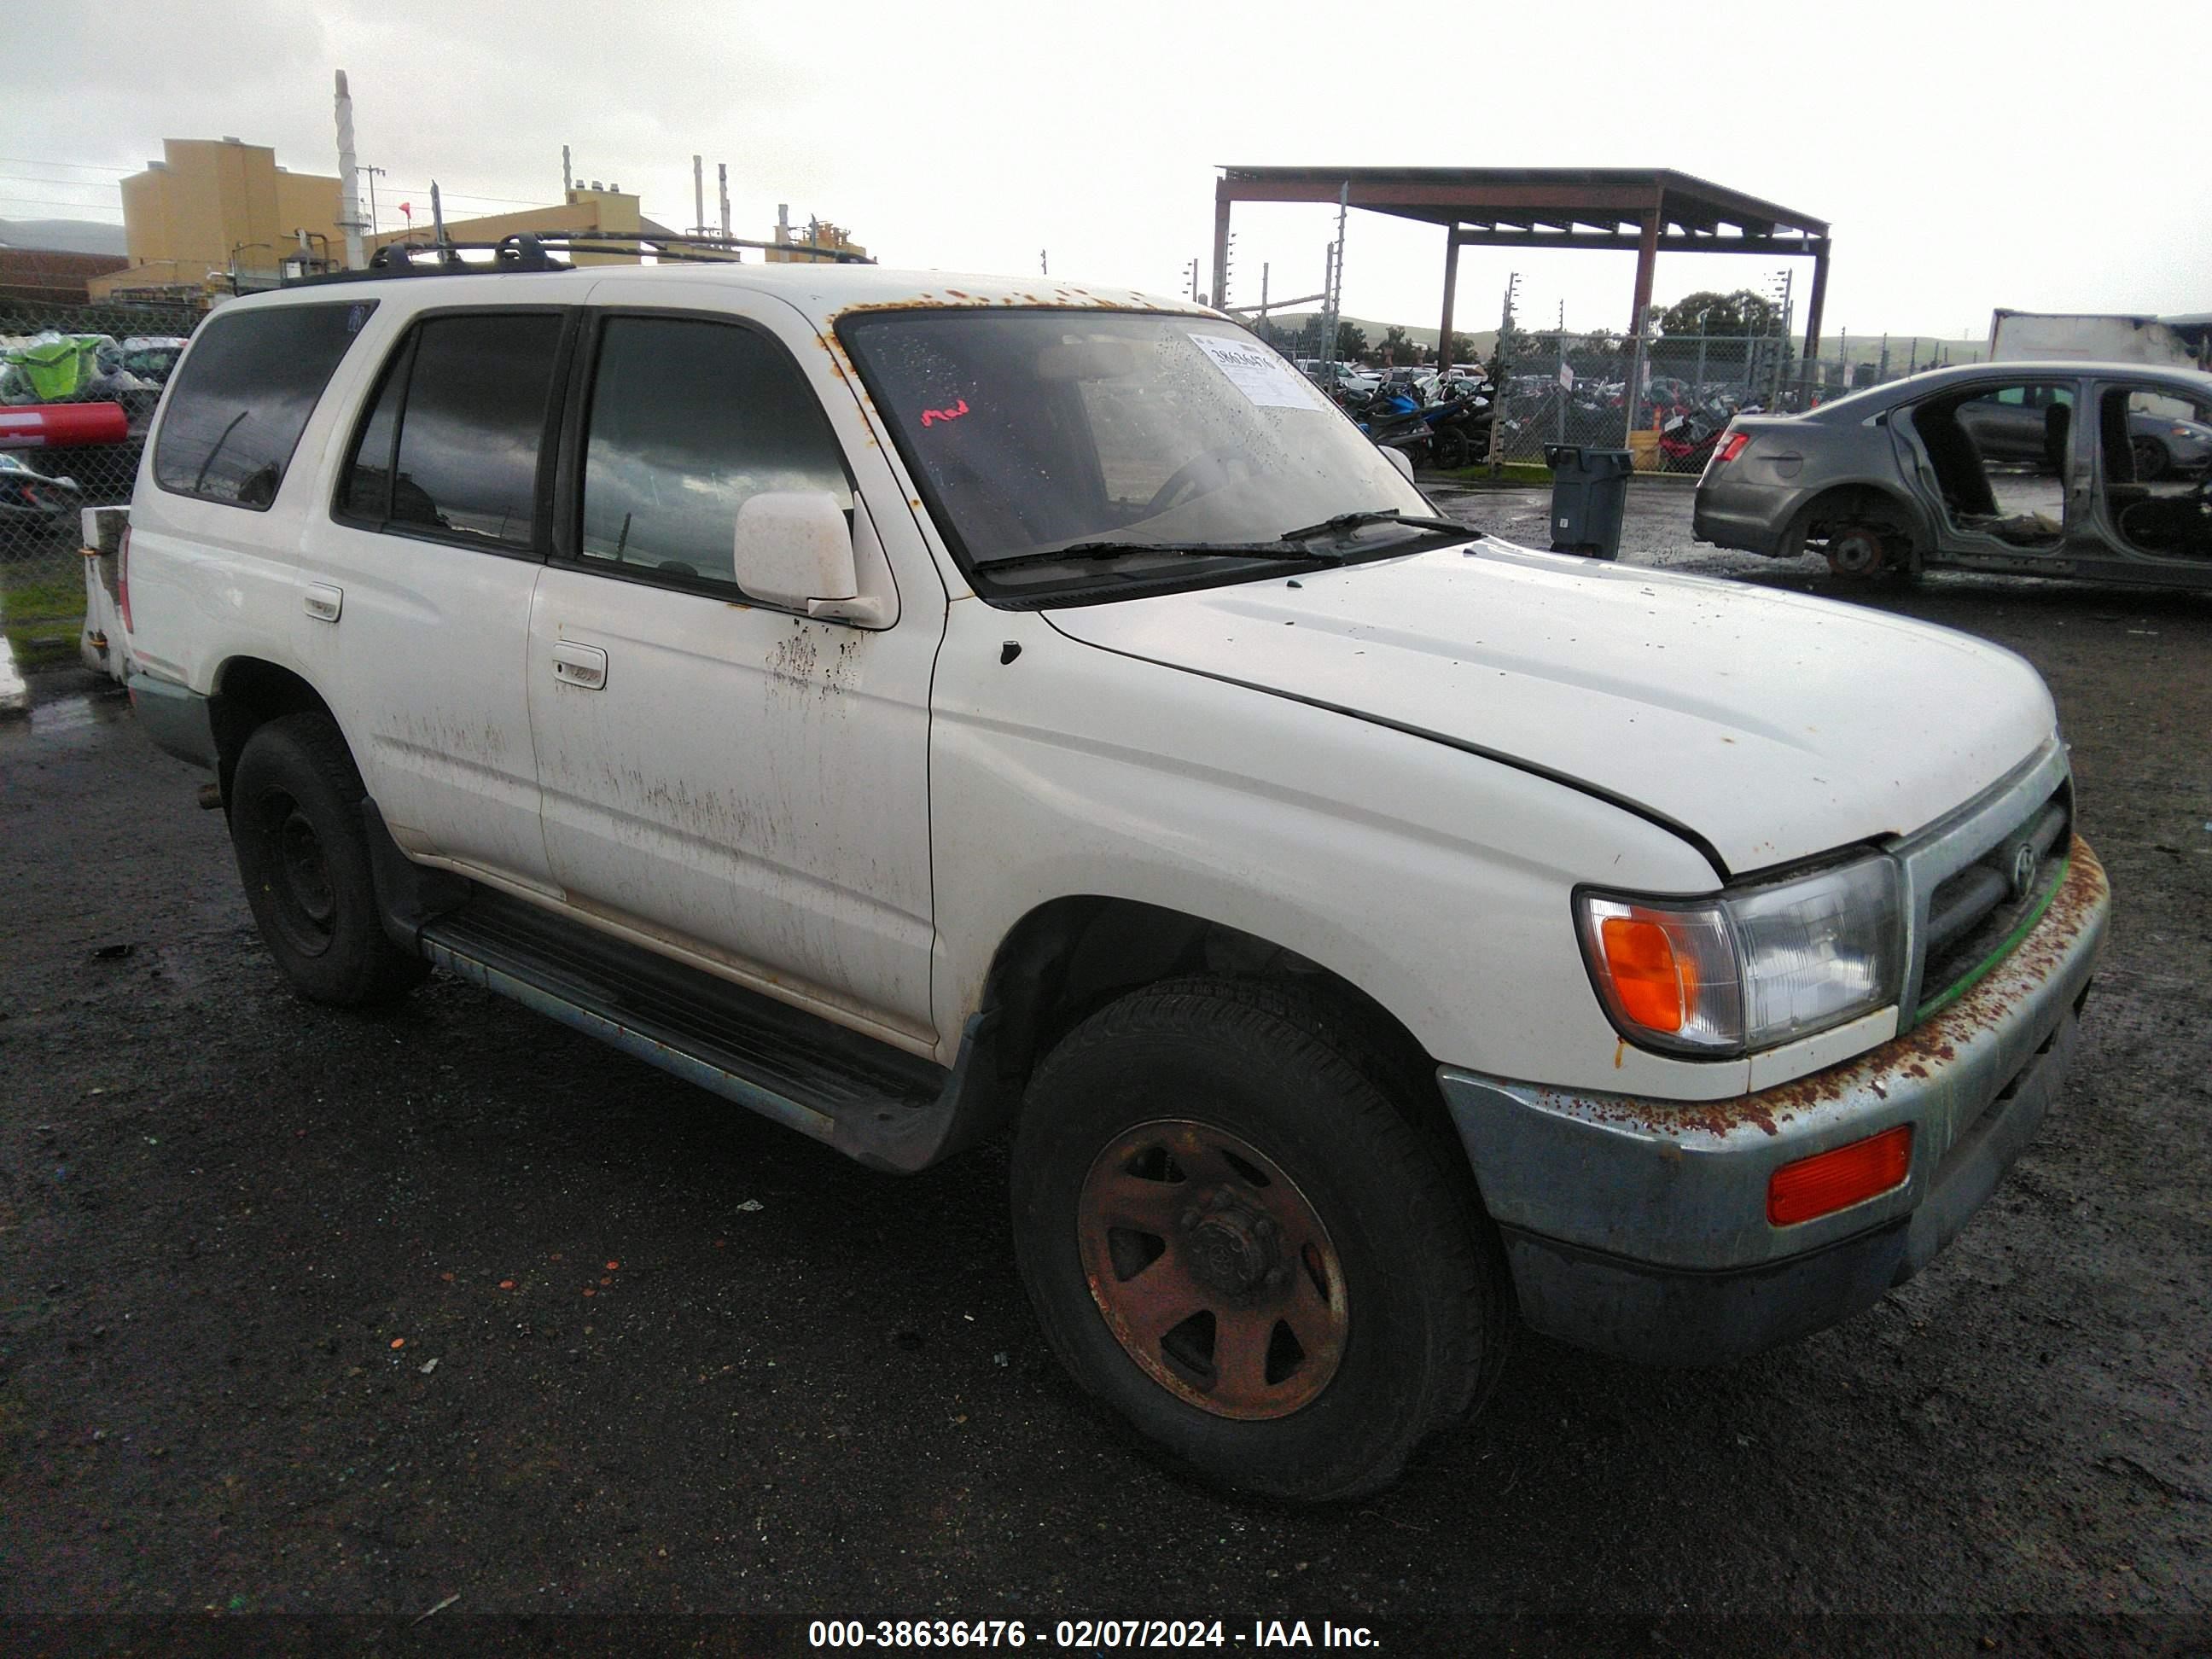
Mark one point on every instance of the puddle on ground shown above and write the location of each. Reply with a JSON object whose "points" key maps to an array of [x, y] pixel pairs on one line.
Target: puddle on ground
{"points": [[65, 718]]}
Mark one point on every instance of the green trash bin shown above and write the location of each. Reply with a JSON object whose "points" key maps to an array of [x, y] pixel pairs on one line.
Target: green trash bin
{"points": [[1590, 492]]}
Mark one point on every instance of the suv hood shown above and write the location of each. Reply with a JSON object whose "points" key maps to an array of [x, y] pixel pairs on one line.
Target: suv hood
{"points": [[1773, 725]]}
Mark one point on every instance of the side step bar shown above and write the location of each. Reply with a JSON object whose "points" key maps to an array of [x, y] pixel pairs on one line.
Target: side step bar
{"points": [[870, 1101]]}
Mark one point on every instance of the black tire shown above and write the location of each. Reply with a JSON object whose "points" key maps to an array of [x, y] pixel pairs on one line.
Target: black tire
{"points": [[295, 826], [2152, 462], [1452, 452], [1421, 1295]]}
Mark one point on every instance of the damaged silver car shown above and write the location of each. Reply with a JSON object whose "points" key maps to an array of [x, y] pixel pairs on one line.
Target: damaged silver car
{"points": [[2096, 470]]}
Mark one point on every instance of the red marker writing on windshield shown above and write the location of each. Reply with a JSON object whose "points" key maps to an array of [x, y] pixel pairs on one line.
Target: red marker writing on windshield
{"points": [[928, 416]]}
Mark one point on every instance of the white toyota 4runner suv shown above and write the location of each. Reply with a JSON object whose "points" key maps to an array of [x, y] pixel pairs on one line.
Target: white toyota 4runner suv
{"points": [[922, 708]]}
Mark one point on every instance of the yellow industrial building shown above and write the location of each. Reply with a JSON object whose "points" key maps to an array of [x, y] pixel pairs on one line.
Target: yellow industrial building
{"points": [[818, 233], [217, 214], [612, 212], [211, 206]]}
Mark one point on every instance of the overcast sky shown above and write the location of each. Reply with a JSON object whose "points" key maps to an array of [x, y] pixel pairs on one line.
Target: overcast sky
{"points": [[1967, 155]]}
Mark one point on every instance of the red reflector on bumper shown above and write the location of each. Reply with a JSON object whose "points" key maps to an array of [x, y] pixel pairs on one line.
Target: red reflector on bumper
{"points": [[1836, 1180]]}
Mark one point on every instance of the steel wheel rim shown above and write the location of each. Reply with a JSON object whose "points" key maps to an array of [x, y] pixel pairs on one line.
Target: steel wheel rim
{"points": [[299, 878], [1213, 1270]]}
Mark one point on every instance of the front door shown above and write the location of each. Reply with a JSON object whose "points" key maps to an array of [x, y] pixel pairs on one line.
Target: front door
{"points": [[1997, 456], [747, 784]]}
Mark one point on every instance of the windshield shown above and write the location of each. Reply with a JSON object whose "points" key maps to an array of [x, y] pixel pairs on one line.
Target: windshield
{"points": [[1037, 430]]}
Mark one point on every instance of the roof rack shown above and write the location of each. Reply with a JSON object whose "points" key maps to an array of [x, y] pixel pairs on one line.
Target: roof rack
{"points": [[535, 251]]}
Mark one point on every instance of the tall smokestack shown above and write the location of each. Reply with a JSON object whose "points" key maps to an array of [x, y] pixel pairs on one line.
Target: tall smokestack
{"points": [[567, 180], [349, 219], [722, 186], [698, 199]]}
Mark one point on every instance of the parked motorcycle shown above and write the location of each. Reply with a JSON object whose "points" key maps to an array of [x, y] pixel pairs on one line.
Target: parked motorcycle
{"points": [[1459, 429]]}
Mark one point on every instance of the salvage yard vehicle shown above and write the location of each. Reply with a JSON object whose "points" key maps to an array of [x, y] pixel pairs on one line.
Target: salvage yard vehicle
{"points": [[33, 505], [923, 709], [2095, 471]]}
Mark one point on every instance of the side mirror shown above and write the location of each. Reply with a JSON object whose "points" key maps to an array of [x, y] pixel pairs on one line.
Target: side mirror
{"points": [[794, 551], [1397, 459]]}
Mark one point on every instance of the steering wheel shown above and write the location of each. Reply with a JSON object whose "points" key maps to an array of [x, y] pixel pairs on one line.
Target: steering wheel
{"points": [[1184, 480]]}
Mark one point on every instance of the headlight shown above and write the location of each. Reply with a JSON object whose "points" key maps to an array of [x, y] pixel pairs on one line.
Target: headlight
{"points": [[1750, 969]]}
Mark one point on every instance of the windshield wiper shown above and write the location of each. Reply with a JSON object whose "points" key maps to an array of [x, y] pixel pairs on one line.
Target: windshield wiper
{"points": [[1082, 552], [1344, 521]]}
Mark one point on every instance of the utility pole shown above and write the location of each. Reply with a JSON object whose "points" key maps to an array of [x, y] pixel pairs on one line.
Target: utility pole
{"points": [[437, 216], [1782, 345], [698, 198], [372, 174], [1566, 392], [1336, 270], [722, 189], [568, 176], [1193, 279], [1496, 457], [1044, 262]]}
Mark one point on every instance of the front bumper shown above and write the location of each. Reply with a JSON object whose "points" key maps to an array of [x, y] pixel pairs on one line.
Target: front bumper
{"points": [[1638, 1227]]}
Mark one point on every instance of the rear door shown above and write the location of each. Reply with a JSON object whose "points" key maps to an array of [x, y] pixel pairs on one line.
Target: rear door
{"points": [[413, 612]]}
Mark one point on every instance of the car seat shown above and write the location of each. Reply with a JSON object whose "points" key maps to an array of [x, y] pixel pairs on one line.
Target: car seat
{"points": [[2057, 427], [1956, 461]]}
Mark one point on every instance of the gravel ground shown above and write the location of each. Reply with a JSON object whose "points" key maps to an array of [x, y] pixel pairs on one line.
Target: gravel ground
{"points": [[304, 1312]]}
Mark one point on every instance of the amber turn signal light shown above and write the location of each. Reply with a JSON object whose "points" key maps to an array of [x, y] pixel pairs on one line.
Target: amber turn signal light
{"points": [[1656, 989], [1837, 1179]]}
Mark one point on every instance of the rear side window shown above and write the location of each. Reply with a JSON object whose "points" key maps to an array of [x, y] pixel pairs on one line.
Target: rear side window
{"points": [[451, 442], [236, 412]]}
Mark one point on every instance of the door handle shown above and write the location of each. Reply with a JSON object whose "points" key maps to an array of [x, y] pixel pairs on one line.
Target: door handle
{"points": [[322, 601], [584, 666]]}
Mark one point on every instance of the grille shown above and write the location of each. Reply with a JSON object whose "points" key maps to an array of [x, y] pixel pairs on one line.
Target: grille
{"points": [[1978, 906]]}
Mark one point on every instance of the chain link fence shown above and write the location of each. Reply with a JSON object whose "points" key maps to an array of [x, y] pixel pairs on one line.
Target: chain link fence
{"points": [[1668, 403], [78, 385]]}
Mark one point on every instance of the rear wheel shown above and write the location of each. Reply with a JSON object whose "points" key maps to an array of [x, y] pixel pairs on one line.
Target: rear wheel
{"points": [[1237, 1244], [295, 826], [1857, 550]]}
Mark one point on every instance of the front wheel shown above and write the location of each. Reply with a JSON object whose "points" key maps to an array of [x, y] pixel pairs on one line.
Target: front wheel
{"points": [[1237, 1244]]}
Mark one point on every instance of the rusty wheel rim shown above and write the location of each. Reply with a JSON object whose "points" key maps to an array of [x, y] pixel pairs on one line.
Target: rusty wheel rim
{"points": [[1213, 1272]]}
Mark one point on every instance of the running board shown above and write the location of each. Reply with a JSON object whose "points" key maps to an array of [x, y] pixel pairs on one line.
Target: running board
{"points": [[871, 1102]]}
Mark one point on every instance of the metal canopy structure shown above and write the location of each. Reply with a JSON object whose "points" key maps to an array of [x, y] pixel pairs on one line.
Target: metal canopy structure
{"points": [[1621, 209]]}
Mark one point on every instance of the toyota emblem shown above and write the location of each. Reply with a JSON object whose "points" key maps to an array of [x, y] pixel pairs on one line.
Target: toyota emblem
{"points": [[2023, 870]]}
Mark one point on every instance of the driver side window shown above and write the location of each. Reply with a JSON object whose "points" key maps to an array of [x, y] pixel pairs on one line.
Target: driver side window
{"points": [[690, 419]]}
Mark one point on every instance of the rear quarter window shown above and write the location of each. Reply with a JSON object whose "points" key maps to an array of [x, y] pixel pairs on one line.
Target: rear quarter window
{"points": [[237, 409]]}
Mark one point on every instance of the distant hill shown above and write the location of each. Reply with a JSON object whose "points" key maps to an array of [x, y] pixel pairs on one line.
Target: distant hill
{"points": [[1484, 339], [63, 236], [1923, 349]]}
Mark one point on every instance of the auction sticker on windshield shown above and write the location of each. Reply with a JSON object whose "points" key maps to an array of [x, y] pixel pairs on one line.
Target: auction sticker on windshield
{"points": [[1264, 377]]}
